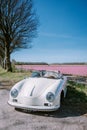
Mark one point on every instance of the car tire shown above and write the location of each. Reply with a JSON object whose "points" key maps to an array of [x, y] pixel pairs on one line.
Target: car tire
{"points": [[61, 97]]}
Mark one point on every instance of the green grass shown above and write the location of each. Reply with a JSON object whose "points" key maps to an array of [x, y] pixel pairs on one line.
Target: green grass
{"points": [[8, 79], [77, 93], [76, 99]]}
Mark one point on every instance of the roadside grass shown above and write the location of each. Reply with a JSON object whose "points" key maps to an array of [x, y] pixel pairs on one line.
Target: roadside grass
{"points": [[77, 93], [8, 79], [76, 98]]}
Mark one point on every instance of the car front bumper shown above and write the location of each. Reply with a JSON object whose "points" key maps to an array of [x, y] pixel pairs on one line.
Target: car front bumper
{"points": [[33, 108]]}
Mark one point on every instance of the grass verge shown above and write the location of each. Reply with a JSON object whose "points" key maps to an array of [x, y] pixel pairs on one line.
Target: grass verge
{"points": [[76, 98], [8, 79]]}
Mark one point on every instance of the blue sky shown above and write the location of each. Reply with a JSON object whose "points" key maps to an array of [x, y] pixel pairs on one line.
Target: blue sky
{"points": [[62, 34]]}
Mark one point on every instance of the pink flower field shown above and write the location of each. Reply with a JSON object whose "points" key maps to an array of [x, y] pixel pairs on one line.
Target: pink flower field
{"points": [[80, 70]]}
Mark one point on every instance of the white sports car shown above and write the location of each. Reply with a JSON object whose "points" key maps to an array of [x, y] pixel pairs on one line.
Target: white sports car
{"points": [[42, 91]]}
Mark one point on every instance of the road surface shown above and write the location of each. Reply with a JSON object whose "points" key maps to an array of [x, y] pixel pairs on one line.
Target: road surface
{"points": [[63, 119]]}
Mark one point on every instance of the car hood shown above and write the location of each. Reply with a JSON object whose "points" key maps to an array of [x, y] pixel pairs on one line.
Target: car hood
{"points": [[34, 87]]}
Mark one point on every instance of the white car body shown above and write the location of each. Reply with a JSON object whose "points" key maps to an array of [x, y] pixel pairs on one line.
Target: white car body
{"points": [[39, 93]]}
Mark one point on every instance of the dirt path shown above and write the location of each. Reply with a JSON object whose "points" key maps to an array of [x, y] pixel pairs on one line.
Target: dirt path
{"points": [[65, 118]]}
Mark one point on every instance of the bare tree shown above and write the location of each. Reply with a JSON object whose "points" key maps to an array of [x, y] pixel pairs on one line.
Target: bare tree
{"points": [[2, 54], [18, 26], [1, 57]]}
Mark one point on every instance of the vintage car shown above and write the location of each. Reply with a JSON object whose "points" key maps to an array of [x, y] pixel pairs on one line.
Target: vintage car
{"points": [[42, 91]]}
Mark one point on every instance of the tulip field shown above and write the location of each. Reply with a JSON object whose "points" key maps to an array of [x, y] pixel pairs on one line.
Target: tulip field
{"points": [[79, 70]]}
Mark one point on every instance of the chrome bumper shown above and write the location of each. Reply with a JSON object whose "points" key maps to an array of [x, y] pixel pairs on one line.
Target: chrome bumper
{"points": [[33, 108]]}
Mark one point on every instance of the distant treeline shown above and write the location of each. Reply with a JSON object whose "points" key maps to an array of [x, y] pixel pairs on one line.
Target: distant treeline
{"points": [[44, 63], [30, 63], [73, 63]]}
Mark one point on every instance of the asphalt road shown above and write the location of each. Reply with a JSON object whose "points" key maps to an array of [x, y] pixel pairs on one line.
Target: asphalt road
{"points": [[63, 119]]}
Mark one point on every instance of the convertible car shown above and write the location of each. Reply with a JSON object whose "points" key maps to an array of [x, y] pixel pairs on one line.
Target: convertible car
{"points": [[42, 91]]}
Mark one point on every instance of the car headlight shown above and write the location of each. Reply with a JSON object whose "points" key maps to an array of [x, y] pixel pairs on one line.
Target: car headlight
{"points": [[50, 96], [14, 93]]}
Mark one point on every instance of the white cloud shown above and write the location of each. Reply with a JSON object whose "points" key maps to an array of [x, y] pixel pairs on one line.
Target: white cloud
{"points": [[56, 35], [65, 36]]}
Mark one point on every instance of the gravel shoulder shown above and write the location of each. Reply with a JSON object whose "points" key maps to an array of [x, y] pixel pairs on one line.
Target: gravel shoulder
{"points": [[66, 118]]}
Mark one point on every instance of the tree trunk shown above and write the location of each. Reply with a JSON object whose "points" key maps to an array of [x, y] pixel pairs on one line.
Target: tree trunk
{"points": [[7, 59], [1, 61]]}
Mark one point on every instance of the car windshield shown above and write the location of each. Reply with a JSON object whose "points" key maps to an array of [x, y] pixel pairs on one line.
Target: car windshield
{"points": [[35, 74], [50, 74], [46, 74]]}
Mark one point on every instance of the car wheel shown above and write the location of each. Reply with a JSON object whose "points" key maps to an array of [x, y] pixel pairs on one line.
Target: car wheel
{"points": [[62, 97]]}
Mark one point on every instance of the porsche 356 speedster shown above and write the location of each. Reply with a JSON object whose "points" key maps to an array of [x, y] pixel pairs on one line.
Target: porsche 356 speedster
{"points": [[42, 91]]}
